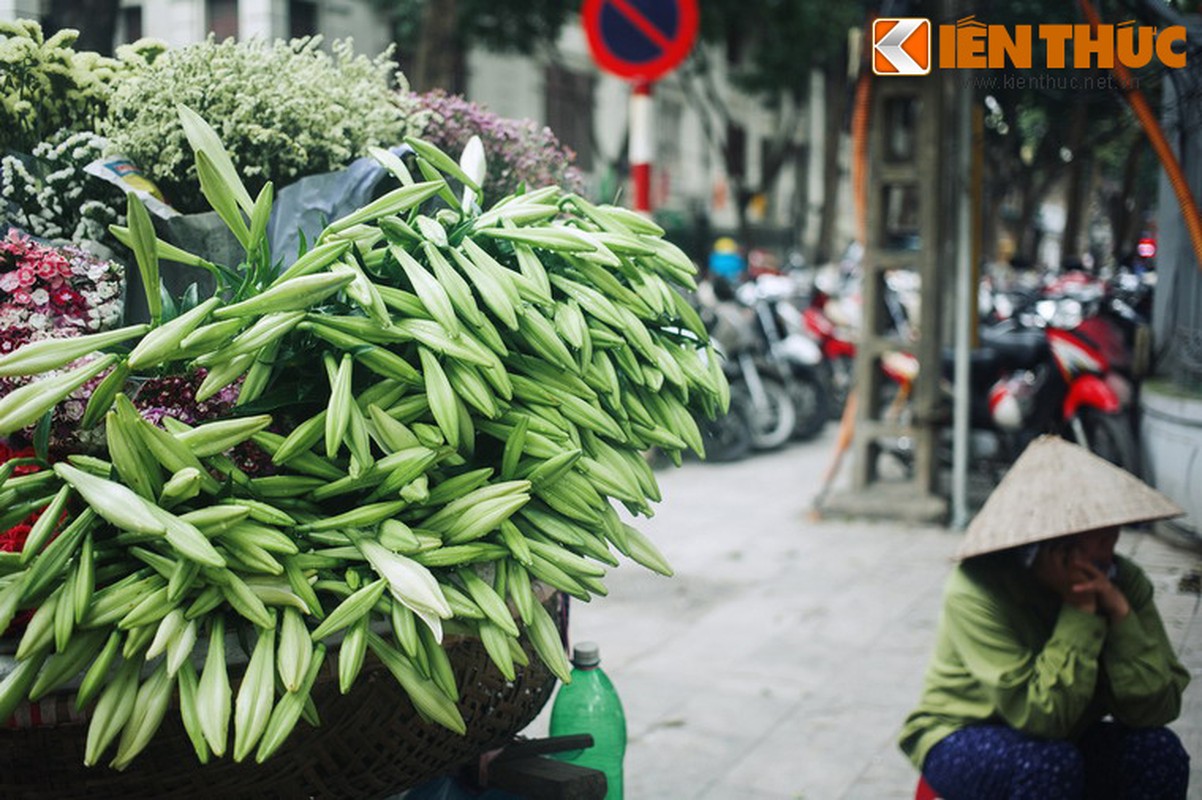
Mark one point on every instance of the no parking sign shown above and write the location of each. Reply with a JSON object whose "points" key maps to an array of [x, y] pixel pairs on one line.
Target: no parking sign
{"points": [[640, 39]]}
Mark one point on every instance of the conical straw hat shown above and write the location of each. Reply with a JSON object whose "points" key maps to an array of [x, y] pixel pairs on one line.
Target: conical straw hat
{"points": [[1056, 488]]}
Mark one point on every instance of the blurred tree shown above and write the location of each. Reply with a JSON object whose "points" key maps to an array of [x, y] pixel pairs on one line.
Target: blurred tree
{"points": [[432, 36], [770, 49], [1063, 130], [1049, 137], [1127, 189]]}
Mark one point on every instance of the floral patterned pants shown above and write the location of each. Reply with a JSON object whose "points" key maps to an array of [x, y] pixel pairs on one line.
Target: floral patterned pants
{"points": [[996, 762]]}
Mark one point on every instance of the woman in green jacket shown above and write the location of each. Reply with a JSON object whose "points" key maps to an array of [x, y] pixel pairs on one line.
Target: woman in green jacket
{"points": [[1052, 676]]}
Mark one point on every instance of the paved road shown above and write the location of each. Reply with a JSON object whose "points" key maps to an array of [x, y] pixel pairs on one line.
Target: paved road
{"points": [[781, 659]]}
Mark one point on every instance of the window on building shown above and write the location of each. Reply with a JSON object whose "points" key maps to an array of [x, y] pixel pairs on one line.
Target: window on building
{"points": [[774, 155], [569, 104], [129, 25], [736, 150], [734, 46], [221, 18], [668, 130], [302, 18]]}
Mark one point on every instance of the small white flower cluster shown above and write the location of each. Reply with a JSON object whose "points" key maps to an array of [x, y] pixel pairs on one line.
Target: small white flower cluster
{"points": [[52, 197], [283, 110], [46, 86]]}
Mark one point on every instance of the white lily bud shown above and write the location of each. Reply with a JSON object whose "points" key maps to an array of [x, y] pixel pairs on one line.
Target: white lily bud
{"points": [[410, 583]]}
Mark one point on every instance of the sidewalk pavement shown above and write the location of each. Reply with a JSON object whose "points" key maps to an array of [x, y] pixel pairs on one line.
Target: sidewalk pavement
{"points": [[781, 659]]}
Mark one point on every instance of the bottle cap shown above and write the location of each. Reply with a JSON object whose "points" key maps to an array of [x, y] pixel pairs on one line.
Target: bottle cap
{"points": [[586, 654]]}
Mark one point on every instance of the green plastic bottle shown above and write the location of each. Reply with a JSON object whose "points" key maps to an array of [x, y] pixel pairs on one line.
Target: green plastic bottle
{"points": [[590, 704]]}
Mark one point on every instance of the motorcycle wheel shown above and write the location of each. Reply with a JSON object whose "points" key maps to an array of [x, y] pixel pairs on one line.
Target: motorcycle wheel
{"points": [[772, 426], [728, 437], [1110, 436], [811, 401]]}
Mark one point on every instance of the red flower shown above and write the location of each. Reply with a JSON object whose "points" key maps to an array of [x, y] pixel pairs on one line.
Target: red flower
{"points": [[63, 296], [13, 539], [8, 454]]}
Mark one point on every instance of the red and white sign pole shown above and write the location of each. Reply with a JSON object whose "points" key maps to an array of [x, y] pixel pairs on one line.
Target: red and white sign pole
{"points": [[640, 41], [641, 145]]}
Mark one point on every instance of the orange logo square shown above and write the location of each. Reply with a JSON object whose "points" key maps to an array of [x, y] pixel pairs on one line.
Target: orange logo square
{"points": [[901, 46]]}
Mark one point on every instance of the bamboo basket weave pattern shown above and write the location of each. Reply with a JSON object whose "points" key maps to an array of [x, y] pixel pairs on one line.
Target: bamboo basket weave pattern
{"points": [[370, 744]]}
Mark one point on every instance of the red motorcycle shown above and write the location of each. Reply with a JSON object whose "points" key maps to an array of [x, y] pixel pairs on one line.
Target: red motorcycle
{"points": [[1045, 369], [838, 349], [1055, 368]]}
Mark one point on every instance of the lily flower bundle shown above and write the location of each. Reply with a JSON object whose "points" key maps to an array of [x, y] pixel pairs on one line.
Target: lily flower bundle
{"points": [[445, 404]]}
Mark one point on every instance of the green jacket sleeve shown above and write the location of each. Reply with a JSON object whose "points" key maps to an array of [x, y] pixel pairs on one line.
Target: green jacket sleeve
{"points": [[1145, 679], [1040, 690]]}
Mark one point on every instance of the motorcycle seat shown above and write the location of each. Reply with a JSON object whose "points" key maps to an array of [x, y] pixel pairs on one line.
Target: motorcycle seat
{"points": [[1017, 349], [984, 364]]}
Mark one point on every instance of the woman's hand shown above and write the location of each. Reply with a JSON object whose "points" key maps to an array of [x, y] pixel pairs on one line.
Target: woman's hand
{"points": [[1071, 568], [1109, 598], [1058, 566]]}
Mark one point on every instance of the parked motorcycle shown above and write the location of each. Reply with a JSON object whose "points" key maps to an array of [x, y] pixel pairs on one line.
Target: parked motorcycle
{"points": [[1126, 308], [755, 382], [728, 437], [1046, 369], [832, 319], [836, 344], [785, 344], [1046, 364]]}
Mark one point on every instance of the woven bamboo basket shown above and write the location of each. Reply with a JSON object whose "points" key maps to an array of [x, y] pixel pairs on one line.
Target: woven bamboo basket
{"points": [[371, 742]]}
